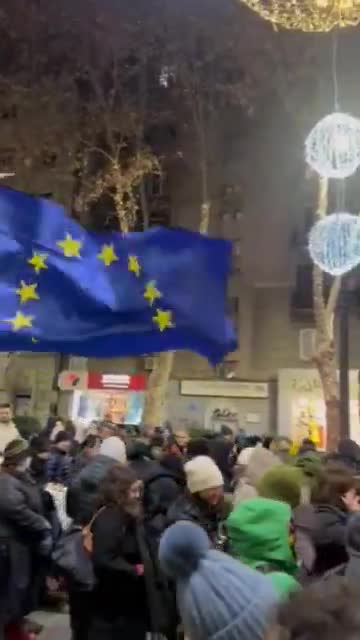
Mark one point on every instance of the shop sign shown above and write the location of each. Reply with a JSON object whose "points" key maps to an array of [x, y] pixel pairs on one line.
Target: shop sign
{"points": [[72, 380], [120, 382], [224, 389], [79, 380]]}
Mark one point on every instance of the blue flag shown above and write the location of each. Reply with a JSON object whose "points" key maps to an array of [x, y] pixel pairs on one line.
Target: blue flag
{"points": [[67, 290]]}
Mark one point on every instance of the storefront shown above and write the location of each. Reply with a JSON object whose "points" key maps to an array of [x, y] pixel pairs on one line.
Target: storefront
{"points": [[301, 406], [210, 404], [94, 396]]}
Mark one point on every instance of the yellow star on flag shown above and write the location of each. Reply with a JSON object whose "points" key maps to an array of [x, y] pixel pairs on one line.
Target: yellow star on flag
{"points": [[152, 293], [38, 261], [20, 321], [70, 246], [107, 255], [163, 319], [27, 292], [134, 266]]}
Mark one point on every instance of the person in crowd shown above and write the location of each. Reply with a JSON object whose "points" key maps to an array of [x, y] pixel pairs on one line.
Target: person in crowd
{"points": [[89, 448], [81, 507], [240, 443], [333, 499], [25, 539], [258, 535], [328, 609], [220, 451], [281, 446], [82, 491], [8, 430], [160, 486], [198, 447], [54, 426], [348, 454], [107, 429], [157, 445], [175, 465], [306, 446], [267, 441], [203, 500], [127, 600], [285, 483], [218, 597], [352, 540], [178, 443], [58, 467], [70, 428], [311, 466], [252, 464], [40, 453]]}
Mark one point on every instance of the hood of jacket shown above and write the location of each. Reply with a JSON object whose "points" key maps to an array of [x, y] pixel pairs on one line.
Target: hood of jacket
{"points": [[259, 534], [261, 461]]}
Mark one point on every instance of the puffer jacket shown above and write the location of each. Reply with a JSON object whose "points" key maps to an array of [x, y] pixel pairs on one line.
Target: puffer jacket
{"points": [[82, 492], [261, 460]]}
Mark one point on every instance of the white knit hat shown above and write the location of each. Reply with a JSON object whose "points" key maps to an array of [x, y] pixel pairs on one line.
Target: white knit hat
{"points": [[244, 456], [114, 448], [202, 473]]}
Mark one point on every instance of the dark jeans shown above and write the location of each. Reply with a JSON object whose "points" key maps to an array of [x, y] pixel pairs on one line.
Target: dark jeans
{"points": [[121, 629]]}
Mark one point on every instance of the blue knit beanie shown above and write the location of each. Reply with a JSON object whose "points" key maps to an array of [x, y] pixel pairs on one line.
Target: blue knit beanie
{"points": [[217, 596]]}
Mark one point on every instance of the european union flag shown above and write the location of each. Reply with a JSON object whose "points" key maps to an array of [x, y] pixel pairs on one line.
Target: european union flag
{"points": [[67, 290]]}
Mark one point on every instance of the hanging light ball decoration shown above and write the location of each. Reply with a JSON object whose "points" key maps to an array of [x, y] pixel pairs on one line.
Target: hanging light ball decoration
{"points": [[332, 147], [308, 15], [334, 243]]}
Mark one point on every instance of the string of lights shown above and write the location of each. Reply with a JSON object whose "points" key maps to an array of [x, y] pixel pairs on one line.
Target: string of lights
{"points": [[332, 149], [308, 15]]}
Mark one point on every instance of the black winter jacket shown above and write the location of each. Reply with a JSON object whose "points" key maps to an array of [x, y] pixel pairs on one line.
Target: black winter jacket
{"points": [[161, 487], [21, 508], [188, 507], [329, 538], [22, 529], [119, 547], [82, 492]]}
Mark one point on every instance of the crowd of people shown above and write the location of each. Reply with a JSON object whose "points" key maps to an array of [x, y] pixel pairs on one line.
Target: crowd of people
{"points": [[230, 537]]}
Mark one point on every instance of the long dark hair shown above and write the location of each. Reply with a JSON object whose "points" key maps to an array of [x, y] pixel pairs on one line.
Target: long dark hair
{"points": [[114, 488]]}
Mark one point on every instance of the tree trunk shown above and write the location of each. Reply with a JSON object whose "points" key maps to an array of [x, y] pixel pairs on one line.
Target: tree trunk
{"points": [[325, 357], [156, 389]]}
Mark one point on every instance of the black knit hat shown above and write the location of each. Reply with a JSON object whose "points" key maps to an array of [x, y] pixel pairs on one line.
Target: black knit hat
{"points": [[16, 452], [62, 436], [39, 444]]}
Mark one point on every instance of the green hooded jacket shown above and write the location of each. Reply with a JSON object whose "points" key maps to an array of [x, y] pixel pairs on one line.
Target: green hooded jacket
{"points": [[259, 535]]}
